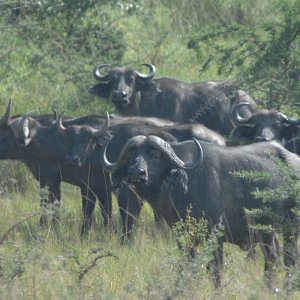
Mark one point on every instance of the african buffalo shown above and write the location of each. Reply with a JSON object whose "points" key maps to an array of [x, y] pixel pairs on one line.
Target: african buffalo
{"points": [[41, 157], [173, 176], [16, 143], [129, 204], [266, 125], [83, 143], [136, 94]]}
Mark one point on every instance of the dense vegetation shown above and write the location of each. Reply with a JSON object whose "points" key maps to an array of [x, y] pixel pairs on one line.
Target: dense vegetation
{"points": [[48, 51]]}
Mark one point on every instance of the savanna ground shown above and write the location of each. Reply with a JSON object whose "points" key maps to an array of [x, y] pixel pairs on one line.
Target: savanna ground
{"points": [[56, 263], [48, 50]]}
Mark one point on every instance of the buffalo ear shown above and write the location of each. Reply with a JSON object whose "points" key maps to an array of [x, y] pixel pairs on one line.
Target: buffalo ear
{"points": [[148, 87], [25, 133], [101, 90], [22, 132], [175, 181], [243, 134]]}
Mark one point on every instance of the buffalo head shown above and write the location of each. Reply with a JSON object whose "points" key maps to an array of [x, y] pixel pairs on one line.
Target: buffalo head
{"points": [[150, 163], [12, 133], [264, 125], [54, 140], [80, 140], [119, 84]]}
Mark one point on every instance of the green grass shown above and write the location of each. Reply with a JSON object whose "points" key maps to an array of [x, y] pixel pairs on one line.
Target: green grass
{"points": [[48, 263]]}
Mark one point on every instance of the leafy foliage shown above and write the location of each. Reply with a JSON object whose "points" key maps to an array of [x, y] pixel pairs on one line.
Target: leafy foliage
{"points": [[53, 47], [272, 197], [293, 278], [190, 233], [265, 58], [193, 238], [48, 52]]}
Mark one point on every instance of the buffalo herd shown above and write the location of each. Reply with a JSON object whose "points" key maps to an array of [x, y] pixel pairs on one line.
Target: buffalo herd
{"points": [[174, 145]]}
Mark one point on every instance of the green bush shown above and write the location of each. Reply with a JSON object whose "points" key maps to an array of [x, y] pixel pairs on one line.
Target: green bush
{"points": [[191, 234], [264, 57]]}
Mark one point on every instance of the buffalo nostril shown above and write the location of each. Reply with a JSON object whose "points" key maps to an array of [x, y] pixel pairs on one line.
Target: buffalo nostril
{"points": [[142, 172], [137, 174], [119, 96]]}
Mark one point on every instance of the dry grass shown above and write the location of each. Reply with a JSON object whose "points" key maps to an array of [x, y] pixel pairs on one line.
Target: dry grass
{"points": [[44, 263]]}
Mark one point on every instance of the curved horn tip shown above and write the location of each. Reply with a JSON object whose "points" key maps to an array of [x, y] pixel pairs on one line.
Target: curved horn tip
{"points": [[237, 105], [150, 66], [97, 73], [60, 118], [289, 120], [150, 75], [103, 130], [6, 116], [112, 167], [59, 126], [107, 119], [200, 149], [106, 165], [236, 114], [55, 114]]}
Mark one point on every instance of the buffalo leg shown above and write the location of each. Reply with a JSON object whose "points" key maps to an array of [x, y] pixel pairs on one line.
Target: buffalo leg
{"points": [[49, 195], [55, 200], [88, 206], [269, 250], [102, 187], [43, 204], [218, 262], [130, 207], [290, 242]]}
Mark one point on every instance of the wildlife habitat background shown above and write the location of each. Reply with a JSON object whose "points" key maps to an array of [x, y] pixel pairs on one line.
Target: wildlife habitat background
{"points": [[48, 50]]}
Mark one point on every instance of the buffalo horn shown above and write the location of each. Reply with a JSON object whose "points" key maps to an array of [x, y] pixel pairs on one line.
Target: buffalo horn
{"points": [[59, 126], [112, 167], [97, 72], [150, 75], [289, 120], [103, 129], [236, 115], [160, 145], [55, 114], [6, 117], [171, 156]]}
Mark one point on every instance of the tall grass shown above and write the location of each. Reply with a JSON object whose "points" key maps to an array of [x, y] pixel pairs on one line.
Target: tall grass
{"points": [[55, 263], [49, 263]]}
